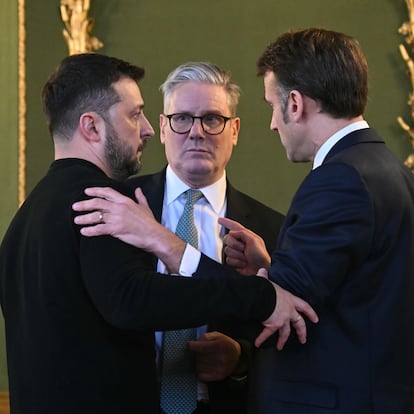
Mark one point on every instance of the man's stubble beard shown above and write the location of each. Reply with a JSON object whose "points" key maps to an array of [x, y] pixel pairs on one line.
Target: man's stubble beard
{"points": [[118, 156]]}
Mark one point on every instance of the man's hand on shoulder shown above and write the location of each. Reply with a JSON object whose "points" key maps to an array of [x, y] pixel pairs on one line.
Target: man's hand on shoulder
{"points": [[111, 213]]}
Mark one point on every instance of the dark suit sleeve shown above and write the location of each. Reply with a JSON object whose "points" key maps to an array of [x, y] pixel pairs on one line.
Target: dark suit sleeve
{"points": [[230, 395]]}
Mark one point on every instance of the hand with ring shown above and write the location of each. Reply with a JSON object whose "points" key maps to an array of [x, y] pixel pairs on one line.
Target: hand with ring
{"points": [[286, 317]]}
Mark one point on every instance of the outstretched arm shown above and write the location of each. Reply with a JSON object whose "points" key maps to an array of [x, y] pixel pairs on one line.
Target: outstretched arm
{"points": [[111, 213]]}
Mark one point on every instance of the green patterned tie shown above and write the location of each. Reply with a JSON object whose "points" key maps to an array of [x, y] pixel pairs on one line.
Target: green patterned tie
{"points": [[178, 380]]}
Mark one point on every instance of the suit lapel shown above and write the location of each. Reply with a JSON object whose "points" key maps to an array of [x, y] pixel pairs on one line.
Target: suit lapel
{"points": [[153, 189], [236, 208]]}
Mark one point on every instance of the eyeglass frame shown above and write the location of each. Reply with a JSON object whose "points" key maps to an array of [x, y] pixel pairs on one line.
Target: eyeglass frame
{"points": [[225, 119]]}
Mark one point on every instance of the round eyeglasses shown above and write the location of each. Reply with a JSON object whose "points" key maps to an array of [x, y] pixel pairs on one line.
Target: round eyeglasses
{"points": [[212, 124]]}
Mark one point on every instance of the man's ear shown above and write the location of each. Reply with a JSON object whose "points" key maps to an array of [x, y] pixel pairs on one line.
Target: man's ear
{"points": [[91, 126], [235, 129], [163, 125], [295, 104]]}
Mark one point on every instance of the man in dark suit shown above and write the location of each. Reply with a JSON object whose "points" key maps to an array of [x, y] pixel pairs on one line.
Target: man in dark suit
{"points": [[224, 360], [80, 312], [197, 159], [347, 243]]}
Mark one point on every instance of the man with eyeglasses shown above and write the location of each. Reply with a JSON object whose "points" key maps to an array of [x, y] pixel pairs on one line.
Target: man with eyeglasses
{"points": [[199, 129], [212, 124]]}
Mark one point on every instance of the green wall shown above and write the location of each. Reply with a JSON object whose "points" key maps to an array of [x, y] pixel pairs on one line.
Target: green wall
{"points": [[159, 34], [8, 134]]}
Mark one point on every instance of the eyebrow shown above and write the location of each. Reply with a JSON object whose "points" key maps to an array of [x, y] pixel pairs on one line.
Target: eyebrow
{"points": [[202, 113], [138, 107]]}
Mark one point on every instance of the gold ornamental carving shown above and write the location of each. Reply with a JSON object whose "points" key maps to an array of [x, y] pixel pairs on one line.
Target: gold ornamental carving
{"points": [[21, 190], [407, 29], [78, 27]]}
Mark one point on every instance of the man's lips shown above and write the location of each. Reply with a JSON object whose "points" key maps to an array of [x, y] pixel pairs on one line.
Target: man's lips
{"points": [[199, 150]]}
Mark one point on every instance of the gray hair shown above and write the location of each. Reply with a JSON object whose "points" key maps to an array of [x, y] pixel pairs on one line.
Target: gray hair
{"points": [[201, 72]]}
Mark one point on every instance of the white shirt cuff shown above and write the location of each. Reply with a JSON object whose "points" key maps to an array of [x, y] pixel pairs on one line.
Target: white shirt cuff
{"points": [[190, 261]]}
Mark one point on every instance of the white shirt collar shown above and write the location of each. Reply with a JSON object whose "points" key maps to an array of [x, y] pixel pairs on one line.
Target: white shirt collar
{"points": [[214, 193], [331, 141]]}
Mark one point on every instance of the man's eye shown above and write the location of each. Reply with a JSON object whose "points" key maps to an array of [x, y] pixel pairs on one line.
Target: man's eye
{"points": [[181, 118], [211, 119]]}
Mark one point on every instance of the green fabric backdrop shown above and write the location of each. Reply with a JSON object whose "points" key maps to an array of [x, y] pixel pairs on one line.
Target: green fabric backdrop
{"points": [[161, 34]]}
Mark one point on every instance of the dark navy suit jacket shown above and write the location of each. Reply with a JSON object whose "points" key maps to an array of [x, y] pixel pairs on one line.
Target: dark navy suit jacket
{"points": [[228, 396], [347, 247]]}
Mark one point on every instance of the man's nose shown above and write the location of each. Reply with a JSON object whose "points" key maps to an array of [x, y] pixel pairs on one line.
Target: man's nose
{"points": [[197, 130]]}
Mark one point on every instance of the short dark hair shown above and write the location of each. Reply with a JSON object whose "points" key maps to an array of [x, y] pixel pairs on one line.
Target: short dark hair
{"points": [[324, 65], [81, 83]]}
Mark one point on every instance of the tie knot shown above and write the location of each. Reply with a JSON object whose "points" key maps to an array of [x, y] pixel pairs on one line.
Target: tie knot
{"points": [[193, 196]]}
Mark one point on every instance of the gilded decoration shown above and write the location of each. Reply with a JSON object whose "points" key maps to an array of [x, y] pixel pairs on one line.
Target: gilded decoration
{"points": [[21, 192], [407, 29], [78, 26]]}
